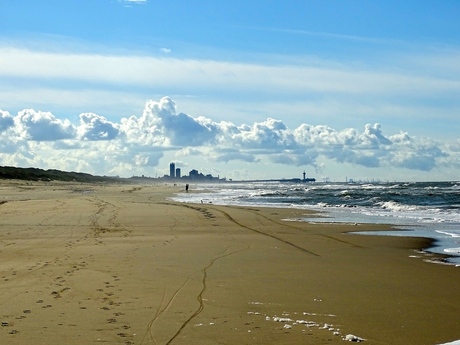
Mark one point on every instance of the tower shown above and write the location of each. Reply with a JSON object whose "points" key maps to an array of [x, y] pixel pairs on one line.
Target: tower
{"points": [[172, 170], [304, 174]]}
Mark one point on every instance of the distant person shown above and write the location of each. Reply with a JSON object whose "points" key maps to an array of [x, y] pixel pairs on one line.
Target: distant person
{"points": [[186, 187]]}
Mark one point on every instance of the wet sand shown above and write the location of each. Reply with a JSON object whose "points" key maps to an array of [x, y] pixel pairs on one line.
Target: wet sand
{"points": [[120, 264]]}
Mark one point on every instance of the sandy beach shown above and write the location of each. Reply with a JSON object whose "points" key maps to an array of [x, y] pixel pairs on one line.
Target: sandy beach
{"points": [[122, 264]]}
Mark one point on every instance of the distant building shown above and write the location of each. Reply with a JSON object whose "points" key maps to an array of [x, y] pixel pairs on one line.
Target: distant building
{"points": [[193, 174], [176, 175], [172, 170]]}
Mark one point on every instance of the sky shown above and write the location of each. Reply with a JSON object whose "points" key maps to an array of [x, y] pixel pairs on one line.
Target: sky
{"points": [[340, 89]]}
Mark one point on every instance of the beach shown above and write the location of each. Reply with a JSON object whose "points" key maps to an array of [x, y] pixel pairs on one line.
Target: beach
{"points": [[124, 264]]}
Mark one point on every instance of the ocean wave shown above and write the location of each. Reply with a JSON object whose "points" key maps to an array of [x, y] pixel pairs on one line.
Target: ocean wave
{"points": [[452, 250], [449, 233], [396, 206]]}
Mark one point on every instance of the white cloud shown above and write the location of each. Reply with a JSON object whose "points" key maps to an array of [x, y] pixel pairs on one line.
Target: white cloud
{"points": [[228, 154], [95, 127], [115, 86], [209, 75], [97, 145], [6, 121], [42, 126], [130, 2]]}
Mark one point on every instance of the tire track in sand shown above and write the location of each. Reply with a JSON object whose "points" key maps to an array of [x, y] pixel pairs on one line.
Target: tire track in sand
{"points": [[260, 232], [267, 234], [300, 229], [199, 297]]}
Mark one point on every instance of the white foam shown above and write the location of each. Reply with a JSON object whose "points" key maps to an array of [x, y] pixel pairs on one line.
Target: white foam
{"points": [[395, 206], [452, 250], [281, 319], [449, 233], [354, 338], [456, 342]]}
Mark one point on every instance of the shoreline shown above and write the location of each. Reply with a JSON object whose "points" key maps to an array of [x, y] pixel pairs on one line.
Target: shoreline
{"points": [[123, 264], [441, 246]]}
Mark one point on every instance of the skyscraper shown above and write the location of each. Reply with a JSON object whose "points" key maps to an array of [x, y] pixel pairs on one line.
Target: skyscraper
{"points": [[172, 170]]}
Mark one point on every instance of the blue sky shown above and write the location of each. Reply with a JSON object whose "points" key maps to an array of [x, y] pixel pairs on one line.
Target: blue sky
{"points": [[241, 89]]}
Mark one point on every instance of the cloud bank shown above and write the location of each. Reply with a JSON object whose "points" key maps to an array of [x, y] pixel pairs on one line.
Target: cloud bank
{"points": [[138, 143]]}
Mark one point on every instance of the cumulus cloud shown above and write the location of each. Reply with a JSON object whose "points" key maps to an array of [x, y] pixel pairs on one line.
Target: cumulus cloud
{"points": [[6, 121], [227, 155], [95, 127], [42, 126], [163, 125], [101, 146]]}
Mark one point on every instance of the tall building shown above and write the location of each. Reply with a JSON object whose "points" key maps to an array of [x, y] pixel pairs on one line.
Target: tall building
{"points": [[172, 170], [177, 172]]}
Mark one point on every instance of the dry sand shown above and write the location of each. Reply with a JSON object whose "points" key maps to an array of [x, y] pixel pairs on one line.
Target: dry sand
{"points": [[88, 264]]}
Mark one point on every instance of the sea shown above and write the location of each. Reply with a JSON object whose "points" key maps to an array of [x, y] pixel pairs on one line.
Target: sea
{"points": [[419, 209]]}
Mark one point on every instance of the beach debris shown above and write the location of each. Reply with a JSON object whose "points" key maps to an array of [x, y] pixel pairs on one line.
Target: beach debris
{"points": [[328, 327], [307, 323], [354, 338], [281, 319], [303, 324]]}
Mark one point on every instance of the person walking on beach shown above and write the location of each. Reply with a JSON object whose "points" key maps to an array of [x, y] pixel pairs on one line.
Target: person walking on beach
{"points": [[186, 187]]}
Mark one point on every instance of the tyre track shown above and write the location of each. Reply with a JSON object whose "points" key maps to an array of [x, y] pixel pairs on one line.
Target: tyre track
{"points": [[260, 232], [161, 310], [298, 228], [106, 213], [199, 298], [267, 234]]}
